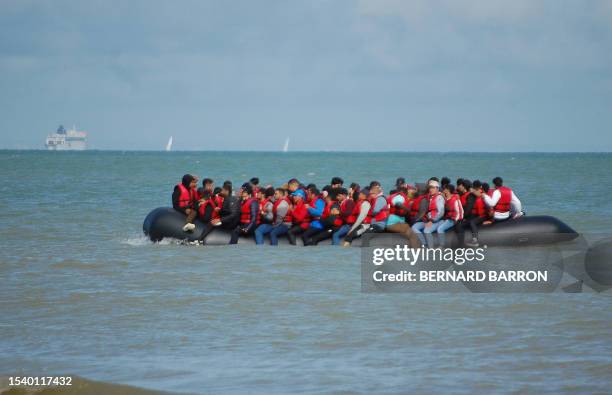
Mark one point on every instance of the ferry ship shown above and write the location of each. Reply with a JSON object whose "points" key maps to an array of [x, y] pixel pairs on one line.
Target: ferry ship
{"points": [[66, 140]]}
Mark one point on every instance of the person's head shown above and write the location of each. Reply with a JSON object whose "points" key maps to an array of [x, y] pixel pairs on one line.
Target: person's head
{"points": [[226, 190], [448, 190], [402, 188], [399, 182], [375, 188], [463, 185], [205, 194], [341, 194], [279, 193], [336, 182], [298, 196], [334, 209], [363, 194], [312, 192], [268, 192], [189, 181], [254, 181], [433, 186], [208, 184], [498, 182], [476, 186], [354, 187], [293, 185], [459, 181], [485, 187], [325, 192], [433, 179], [444, 181], [216, 191], [247, 191]]}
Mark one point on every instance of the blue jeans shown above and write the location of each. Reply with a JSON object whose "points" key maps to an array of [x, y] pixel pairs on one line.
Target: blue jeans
{"points": [[261, 231], [340, 233], [427, 239], [276, 231], [445, 225]]}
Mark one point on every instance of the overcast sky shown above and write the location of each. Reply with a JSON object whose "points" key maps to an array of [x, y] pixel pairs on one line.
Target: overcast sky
{"points": [[516, 75]]}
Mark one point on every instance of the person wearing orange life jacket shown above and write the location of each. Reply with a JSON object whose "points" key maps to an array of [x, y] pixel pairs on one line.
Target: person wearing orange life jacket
{"points": [[332, 218], [398, 212], [503, 202], [249, 215], [379, 210], [474, 215], [280, 223], [427, 224], [184, 200], [453, 213], [361, 214], [347, 208]]}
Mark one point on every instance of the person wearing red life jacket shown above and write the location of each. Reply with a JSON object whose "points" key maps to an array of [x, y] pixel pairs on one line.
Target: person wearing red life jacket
{"points": [[207, 185], [474, 215], [280, 223], [347, 208], [332, 219], [463, 190], [503, 202], [249, 215], [254, 181], [379, 210], [399, 209], [297, 215], [453, 213], [361, 214], [184, 200], [318, 203], [429, 222], [206, 207], [266, 204]]}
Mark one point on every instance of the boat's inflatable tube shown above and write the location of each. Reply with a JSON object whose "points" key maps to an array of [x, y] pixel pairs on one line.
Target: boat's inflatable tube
{"points": [[165, 222]]}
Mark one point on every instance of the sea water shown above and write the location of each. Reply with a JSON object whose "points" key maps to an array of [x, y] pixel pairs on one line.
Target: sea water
{"points": [[84, 293]]}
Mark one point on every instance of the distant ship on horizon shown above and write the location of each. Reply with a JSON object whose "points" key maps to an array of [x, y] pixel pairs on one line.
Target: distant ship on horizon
{"points": [[67, 140]]}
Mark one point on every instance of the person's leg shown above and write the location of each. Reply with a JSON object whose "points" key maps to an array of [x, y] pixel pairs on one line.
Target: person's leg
{"points": [[235, 235], [322, 235], [474, 224], [340, 233], [260, 232], [417, 228], [361, 229], [428, 232], [293, 232], [442, 228], [207, 229], [308, 234], [276, 231]]}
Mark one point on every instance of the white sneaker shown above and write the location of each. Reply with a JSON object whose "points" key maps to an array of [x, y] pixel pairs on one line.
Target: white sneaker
{"points": [[188, 227]]}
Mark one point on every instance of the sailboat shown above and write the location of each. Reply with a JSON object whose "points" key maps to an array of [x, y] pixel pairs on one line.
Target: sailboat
{"points": [[169, 145], [286, 146]]}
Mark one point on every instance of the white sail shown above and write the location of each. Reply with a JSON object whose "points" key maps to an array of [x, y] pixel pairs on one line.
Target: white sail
{"points": [[169, 145], [286, 146]]}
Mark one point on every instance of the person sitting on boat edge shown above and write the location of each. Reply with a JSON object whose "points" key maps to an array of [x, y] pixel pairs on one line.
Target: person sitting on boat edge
{"points": [[474, 214], [315, 208], [249, 215], [298, 216], [453, 212], [379, 210], [398, 212], [503, 201], [184, 200], [431, 220], [278, 225], [347, 207], [362, 217]]}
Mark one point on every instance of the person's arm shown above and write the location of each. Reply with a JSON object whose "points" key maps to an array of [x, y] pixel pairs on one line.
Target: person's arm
{"points": [[363, 213], [469, 205], [423, 208], [269, 214], [230, 211], [175, 198], [458, 209], [379, 205], [516, 205], [439, 208], [317, 210], [281, 212], [493, 199]]}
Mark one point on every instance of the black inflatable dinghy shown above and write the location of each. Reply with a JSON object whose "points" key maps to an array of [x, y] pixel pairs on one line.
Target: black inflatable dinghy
{"points": [[165, 222]]}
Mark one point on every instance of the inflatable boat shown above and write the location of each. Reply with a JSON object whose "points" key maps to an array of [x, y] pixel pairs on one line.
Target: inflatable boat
{"points": [[165, 222]]}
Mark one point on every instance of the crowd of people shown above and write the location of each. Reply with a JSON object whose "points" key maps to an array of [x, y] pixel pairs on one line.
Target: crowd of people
{"points": [[296, 210]]}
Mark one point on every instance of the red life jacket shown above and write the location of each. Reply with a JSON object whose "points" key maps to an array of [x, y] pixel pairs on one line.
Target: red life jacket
{"points": [[352, 217], [479, 209], [383, 214], [449, 208], [187, 198], [262, 207], [327, 208], [400, 212], [202, 208], [299, 215], [463, 197], [503, 204], [275, 208], [432, 211], [414, 208], [245, 211], [309, 218]]}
